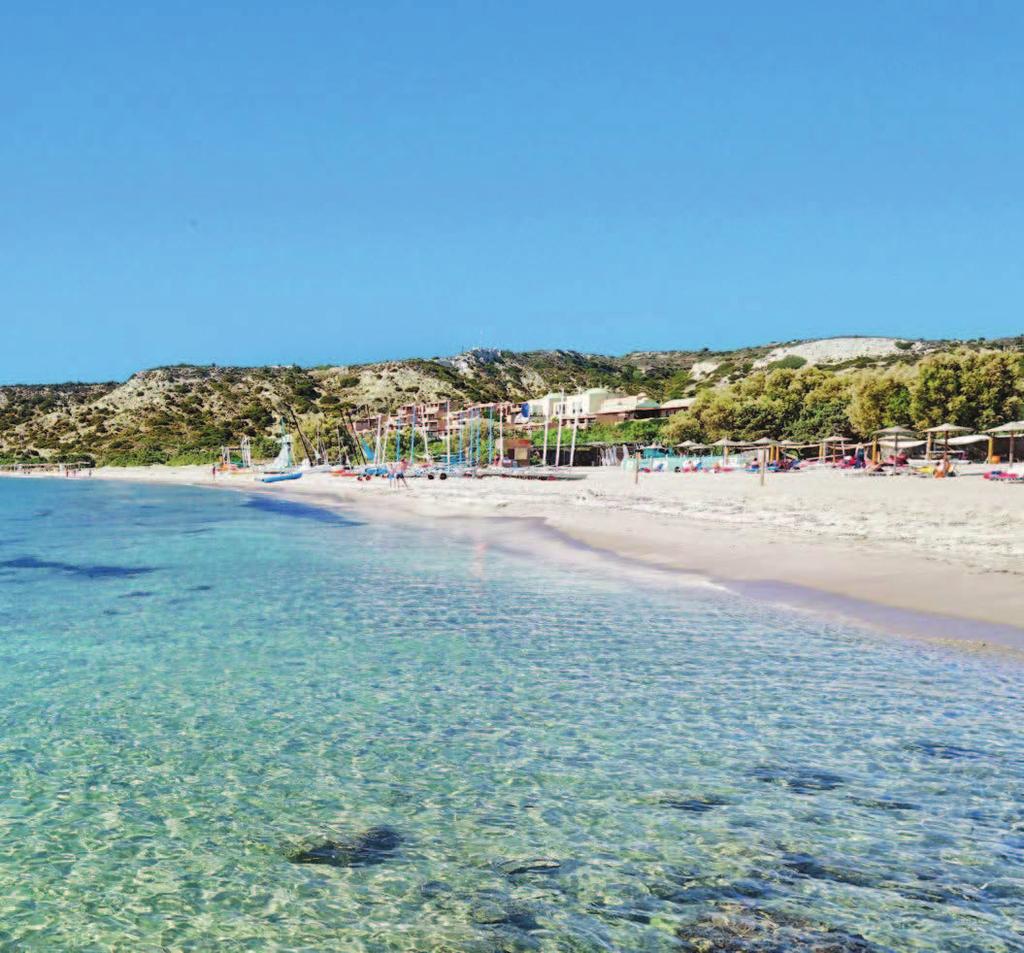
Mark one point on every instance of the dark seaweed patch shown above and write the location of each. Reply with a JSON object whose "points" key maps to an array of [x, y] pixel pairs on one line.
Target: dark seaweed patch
{"points": [[137, 594], [694, 805], [199, 588], [538, 865], [374, 846], [883, 804], [943, 751], [301, 511], [599, 908], [688, 886], [86, 571], [804, 865], [798, 780]]}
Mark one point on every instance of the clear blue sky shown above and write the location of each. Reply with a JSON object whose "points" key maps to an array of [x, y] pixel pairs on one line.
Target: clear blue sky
{"points": [[316, 182]]}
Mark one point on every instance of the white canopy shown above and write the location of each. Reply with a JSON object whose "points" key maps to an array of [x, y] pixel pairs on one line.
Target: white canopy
{"points": [[902, 444], [968, 439]]}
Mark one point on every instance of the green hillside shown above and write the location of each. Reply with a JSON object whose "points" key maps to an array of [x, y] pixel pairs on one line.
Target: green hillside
{"points": [[804, 389]]}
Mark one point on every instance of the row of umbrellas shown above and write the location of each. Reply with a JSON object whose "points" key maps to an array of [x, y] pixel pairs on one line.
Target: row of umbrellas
{"points": [[886, 434]]}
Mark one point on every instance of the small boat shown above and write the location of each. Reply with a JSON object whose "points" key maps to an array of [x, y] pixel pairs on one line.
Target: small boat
{"points": [[283, 466], [279, 477]]}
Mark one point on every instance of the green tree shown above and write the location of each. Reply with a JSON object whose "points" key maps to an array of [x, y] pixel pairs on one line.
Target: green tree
{"points": [[879, 400], [971, 389]]}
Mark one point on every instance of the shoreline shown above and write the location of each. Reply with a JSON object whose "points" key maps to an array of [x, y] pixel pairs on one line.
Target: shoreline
{"points": [[904, 590]]}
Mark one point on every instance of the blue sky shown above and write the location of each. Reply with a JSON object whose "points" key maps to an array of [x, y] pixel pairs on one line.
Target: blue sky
{"points": [[330, 182]]}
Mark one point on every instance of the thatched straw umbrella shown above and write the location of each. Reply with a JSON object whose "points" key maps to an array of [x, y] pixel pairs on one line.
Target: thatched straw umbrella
{"points": [[826, 441], [895, 433], [1012, 430], [943, 430], [725, 443]]}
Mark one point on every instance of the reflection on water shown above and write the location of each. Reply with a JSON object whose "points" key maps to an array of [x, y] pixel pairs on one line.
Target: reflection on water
{"points": [[310, 734]]}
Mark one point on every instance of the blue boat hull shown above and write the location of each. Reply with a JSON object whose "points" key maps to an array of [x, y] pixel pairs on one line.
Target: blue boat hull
{"points": [[279, 477]]}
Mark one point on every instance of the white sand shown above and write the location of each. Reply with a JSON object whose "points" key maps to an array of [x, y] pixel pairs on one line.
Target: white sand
{"points": [[951, 547]]}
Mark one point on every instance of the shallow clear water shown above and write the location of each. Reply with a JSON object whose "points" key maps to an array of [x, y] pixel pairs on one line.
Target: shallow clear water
{"points": [[196, 686]]}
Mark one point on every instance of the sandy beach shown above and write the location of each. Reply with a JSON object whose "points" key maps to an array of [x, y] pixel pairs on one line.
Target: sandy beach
{"points": [[939, 559]]}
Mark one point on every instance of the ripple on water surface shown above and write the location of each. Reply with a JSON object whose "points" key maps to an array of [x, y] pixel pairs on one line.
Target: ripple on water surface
{"points": [[299, 733]]}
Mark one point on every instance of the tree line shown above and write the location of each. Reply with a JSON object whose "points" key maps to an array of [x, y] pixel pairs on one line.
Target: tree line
{"points": [[972, 389]]}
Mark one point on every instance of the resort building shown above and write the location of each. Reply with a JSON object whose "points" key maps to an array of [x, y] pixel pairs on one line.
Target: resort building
{"points": [[618, 409], [498, 412], [544, 407], [670, 407], [584, 406]]}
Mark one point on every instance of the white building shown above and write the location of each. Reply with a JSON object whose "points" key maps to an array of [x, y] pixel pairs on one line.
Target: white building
{"points": [[544, 407], [581, 407], [584, 405]]}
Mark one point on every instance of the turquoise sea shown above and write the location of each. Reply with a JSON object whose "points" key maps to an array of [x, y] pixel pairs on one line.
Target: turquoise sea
{"points": [[233, 723]]}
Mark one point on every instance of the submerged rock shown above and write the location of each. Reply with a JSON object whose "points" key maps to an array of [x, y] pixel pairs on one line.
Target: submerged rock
{"points": [[374, 846], [539, 865], [490, 913], [739, 930]]}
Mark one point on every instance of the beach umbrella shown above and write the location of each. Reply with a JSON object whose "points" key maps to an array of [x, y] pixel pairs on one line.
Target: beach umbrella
{"points": [[725, 443], [895, 433], [1012, 430], [835, 438], [942, 430]]}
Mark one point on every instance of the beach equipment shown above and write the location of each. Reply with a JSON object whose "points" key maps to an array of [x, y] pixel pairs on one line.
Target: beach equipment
{"points": [[1012, 430], [283, 463], [280, 477], [725, 443], [896, 433], [945, 431], [827, 442]]}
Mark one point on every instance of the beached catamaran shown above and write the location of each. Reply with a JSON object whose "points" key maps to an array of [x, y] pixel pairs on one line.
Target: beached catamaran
{"points": [[282, 467]]}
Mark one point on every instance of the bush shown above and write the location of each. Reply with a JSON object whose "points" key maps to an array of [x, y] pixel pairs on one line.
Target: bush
{"points": [[789, 362]]}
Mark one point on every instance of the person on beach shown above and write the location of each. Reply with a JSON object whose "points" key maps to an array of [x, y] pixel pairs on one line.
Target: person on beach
{"points": [[400, 474]]}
